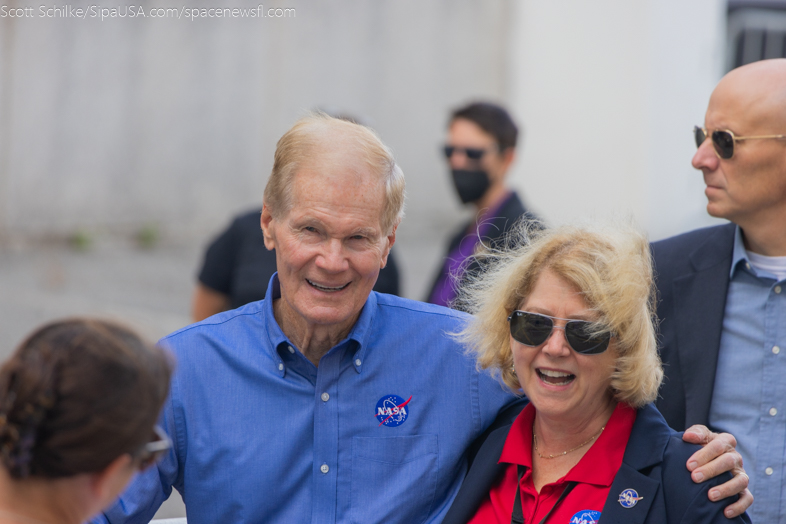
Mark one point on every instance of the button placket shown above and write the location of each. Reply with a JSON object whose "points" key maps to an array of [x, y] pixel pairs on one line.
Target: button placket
{"points": [[326, 433]]}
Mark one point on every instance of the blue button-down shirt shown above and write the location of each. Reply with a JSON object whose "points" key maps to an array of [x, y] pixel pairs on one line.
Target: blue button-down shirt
{"points": [[262, 435], [749, 399]]}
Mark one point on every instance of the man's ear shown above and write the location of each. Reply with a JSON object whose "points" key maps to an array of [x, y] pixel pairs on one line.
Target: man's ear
{"points": [[266, 222], [391, 238], [508, 156]]}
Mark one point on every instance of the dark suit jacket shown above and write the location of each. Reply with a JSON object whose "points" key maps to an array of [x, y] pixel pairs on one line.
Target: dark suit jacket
{"points": [[501, 223], [653, 465], [692, 275]]}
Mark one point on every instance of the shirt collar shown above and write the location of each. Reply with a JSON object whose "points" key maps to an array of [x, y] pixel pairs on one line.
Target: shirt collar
{"points": [[599, 464], [739, 254], [356, 340], [518, 445]]}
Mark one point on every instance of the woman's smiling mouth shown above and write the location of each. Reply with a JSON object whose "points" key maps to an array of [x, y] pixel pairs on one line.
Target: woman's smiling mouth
{"points": [[555, 378]]}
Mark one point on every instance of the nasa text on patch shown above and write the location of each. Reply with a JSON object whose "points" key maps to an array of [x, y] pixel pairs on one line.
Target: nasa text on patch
{"points": [[585, 516], [392, 410]]}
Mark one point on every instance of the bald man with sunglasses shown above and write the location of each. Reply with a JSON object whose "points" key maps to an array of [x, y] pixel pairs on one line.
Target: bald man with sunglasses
{"points": [[723, 288]]}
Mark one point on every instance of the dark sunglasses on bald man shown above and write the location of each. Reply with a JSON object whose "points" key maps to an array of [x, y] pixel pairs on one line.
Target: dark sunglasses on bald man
{"points": [[150, 453], [473, 153], [533, 329], [723, 140]]}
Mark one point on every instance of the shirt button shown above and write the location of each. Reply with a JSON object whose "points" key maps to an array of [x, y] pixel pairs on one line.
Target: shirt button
{"points": [[776, 349], [281, 367], [747, 265], [324, 468], [777, 289], [291, 349], [773, 412], [358, 362], [325, 397], [768, 471]]}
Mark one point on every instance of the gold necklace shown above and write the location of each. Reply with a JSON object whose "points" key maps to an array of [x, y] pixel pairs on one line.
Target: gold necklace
{"points": [[535, 442]]}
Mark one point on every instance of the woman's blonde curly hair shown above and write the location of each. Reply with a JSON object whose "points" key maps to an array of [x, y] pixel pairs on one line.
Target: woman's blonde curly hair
{"points": [[609, 263]]}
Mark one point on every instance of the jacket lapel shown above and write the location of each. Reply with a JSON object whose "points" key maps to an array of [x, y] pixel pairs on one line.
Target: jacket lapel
{"points": [[646, 445], [699, 303], [481, 477], [629, 478]]}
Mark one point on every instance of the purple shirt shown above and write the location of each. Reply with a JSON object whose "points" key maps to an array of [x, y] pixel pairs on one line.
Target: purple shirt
{"points": [[446, 289]]}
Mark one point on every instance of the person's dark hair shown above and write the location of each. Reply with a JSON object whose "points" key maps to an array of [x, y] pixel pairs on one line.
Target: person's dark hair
{"points": [[492, 119], [76, 395]]}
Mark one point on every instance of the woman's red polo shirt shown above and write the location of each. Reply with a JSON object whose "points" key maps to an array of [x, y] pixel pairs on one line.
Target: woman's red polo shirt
{"points": [[594, 473]]}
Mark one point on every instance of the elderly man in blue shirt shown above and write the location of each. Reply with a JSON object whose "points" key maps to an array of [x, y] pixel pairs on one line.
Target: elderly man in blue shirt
{"points": [[325, 402], [723, 289]]}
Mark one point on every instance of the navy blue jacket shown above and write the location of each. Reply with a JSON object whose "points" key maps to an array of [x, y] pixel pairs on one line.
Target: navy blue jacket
{"points": [[692, 275], [653, 465]]}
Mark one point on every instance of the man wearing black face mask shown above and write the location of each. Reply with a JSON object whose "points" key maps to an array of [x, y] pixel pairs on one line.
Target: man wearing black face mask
{"points": [[480, 150]]}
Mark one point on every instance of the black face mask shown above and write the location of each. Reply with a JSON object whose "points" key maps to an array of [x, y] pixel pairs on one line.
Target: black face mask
{"points": [[471, 184]]}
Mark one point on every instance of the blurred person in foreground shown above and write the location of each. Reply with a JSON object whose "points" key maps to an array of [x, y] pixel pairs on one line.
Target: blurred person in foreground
{"points": [[480, 149], [326, 401], [723, 288], [567, 320], [78, 404]]}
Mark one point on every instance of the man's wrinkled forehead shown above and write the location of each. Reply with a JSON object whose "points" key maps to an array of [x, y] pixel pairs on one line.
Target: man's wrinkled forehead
{"points": [[335, 149], [337, 170]]}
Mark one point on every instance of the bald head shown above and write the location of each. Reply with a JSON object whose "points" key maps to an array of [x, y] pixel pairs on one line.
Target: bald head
{"points": [[757, 90], [748, 185]]}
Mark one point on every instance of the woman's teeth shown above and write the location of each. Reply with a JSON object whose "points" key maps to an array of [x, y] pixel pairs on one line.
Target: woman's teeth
{"points": [[556, 378]]}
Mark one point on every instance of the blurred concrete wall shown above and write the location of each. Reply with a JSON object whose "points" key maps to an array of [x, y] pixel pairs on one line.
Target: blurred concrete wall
{"points": [[128, 121], [609, 92], [109, 126]]}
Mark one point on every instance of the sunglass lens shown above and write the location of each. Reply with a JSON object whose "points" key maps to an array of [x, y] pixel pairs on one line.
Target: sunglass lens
{"points": [[530, 329], [582, 340], [724, 143], [449, 150], [699, 136], [474, 154]]}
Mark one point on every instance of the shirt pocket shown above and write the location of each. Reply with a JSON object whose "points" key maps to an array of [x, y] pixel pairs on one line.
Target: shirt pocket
{"points": [[394, 479]]}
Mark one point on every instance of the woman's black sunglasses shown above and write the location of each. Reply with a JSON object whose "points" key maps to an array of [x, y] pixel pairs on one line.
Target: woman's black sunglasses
{"points": [[723, 140], [533, 329], [150, 453]]}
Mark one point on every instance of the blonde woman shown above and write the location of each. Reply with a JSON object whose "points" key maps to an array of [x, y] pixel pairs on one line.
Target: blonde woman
{"points": [[567, 320]]}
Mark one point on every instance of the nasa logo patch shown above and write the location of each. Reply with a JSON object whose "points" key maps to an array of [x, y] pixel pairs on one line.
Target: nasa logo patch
{"points": [[585, 516], [629, 498], [392, 410]]}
